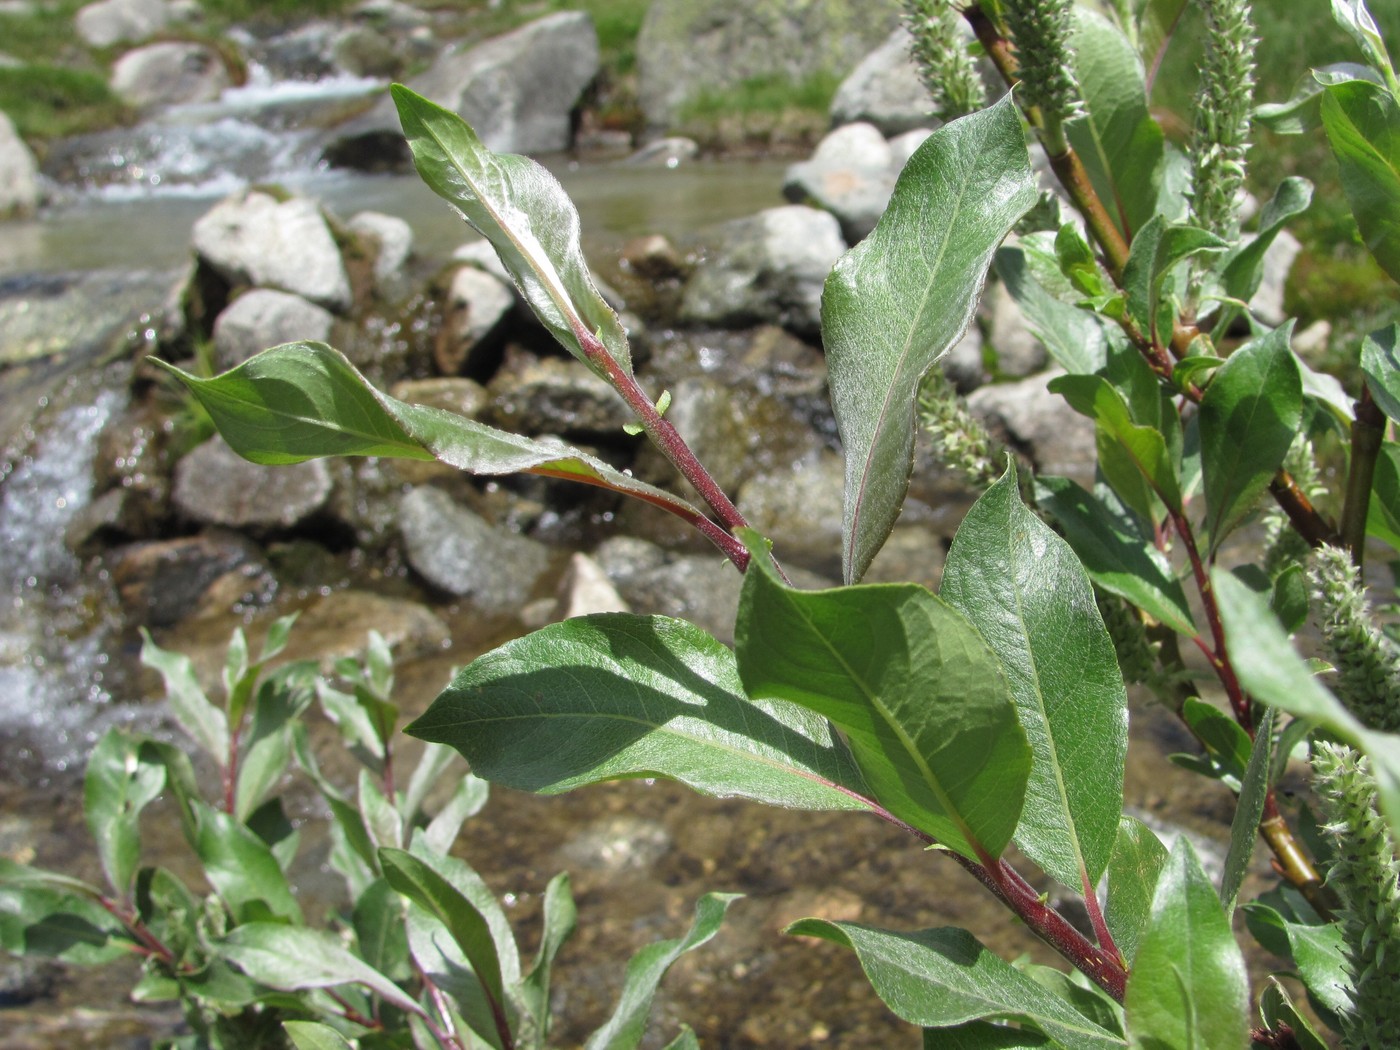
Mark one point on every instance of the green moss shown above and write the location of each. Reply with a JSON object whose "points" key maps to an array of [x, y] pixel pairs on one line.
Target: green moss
{"points": [[764, 94], [46, 102]]}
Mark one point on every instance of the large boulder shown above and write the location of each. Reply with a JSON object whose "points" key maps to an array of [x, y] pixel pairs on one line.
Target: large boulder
{"points": [[262, 318], [19, 173], [768, 268], [851, 174], [252, 238], [109, 22], [518, 91], [686, 49], [170, 74], [885, 90]]}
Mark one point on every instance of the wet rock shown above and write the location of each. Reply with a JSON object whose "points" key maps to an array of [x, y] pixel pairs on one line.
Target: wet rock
{"points": [[768, 268], [669, 152], [1267, 302], [475, 310], [216, 486], [338, 626], [624, 558], [800, 510], [465, 397], [252, 238], [75, 314], [393, 241], [24, 979], [617, 844], [1030, 418], [653, 257], [851, 175], [687, 49], [363, 51], [19, 173], [518, 91], [131, 474], [169, 74], [301, 53], [885, 90], [556, 395], [109, 22], [459, 552], [1018, 352], [262, 318], [166, 582]]}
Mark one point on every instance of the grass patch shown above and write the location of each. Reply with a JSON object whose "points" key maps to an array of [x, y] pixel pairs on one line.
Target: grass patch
{"points": [[47, 102], [43, 35], [769, 94]]}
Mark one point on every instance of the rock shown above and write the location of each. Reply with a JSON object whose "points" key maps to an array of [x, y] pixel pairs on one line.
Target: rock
{"points": [[169, 74], [616, 844], [885, 90], [167, 582], [338, 626], [911, 554], [670, 152], [392, 15], [1018, 352], [19, 173], [466, 397], [480, 254], [252, 238], [583, 591], [800, 510], [701, 588], [110, 22], [262, 318], [362, 51], [393, 239], [1029, 417], [556, 395], [68, 315], [216, 486], [1312, 340], [302, 53], [902, 147], [476, 308], [25, 979], [624, 558], [518, 91], [851, 175], [768, 268], [653, 257], [686, 49], [963, 363], [458, 552], [1267, 302]]}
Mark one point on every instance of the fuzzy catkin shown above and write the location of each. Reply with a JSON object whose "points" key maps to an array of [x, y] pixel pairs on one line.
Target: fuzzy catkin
{"points": [[1367, 662], [1041, 31], [945, 65], [1220, 139], [961, 442], [1363, 874]]}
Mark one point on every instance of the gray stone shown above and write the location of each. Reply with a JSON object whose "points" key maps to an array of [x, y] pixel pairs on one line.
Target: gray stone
{"points": [[167, 582], [109, 22], [556, 395], [885, 90], [169, 74], [363, 51], [393, 238], [459, 552], [912, 553], [337, 627], [474, 315], [1018, 352], [652, 256], [480, 254], [616, 844], [393, 15], [670, 152], [902, 147], [584, 590], [686, 49], [624, 558], [252, 238], [1267, 302], [74, 314], [700, 588], [216, 486], [1027, 416], [465, 397], [768, 268], [851, 175], [800, 510], [1312, 340], [262, 318], [963, 364], [19, 173]]}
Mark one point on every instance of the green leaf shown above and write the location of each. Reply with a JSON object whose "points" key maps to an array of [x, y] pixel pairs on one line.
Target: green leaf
{"points": [[1276, 1008], [417, 881], [920, 697], [1114, 553], [899, 300], [378, 918], [303, 400], [201, 720], [1075, 338], [523, 211], [1022, 587], [1242, 268], [267, 747], [1362, 122], [685, 1041], [1272, 672], [1383, 514], [311, 1035], [1301, 113], [1188, 987], [1380, 363], [241, 867], [1144, 449], [1226, 742], [560, 919], [614, 695], [943, 978], [1116, 138], [1133, 870], [293, 958], [1244, 828], [624, 1029], [1157, 248], [40, 917], [466, 801], [119, 784], [431, 766], [1249, 417], [1320, 955]]}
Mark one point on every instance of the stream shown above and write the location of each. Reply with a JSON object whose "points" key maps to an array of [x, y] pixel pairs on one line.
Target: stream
{"points": [[640, 853]]}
